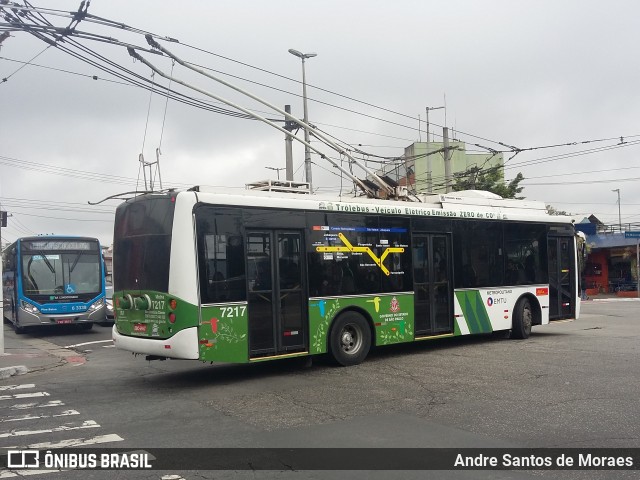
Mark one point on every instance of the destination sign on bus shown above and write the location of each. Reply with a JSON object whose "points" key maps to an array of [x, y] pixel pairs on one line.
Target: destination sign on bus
{"points": [[57, 245]]}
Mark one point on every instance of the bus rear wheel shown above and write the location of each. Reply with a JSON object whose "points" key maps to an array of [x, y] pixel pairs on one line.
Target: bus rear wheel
{"points": [[522, 319], [350, 339]]}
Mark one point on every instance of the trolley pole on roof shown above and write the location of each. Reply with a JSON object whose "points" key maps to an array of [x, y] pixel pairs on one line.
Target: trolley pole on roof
{"points": [[385, 187]]}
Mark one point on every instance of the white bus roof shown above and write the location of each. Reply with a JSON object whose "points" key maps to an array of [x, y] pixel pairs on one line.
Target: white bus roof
{"points": [[472, 204]]}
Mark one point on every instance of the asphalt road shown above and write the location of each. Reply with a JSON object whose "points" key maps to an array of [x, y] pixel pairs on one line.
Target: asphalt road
{"points": [[570, 385]]}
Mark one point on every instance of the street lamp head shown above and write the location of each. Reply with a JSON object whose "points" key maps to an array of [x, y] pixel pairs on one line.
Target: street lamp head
{"points": [[301, 55]]}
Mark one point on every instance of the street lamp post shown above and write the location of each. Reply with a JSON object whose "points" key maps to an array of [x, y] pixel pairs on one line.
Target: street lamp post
{"points": [[307, 152], [619, 215]]}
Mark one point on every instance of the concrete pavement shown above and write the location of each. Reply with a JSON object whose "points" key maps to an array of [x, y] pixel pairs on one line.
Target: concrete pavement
{"points": [[24, 354]]}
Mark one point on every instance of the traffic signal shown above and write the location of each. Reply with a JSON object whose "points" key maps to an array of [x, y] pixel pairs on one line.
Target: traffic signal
{"points": [[3, 218]]}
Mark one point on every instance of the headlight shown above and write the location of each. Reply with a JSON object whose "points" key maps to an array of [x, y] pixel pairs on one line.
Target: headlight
{"points": [[96, 305], [27, 307]]}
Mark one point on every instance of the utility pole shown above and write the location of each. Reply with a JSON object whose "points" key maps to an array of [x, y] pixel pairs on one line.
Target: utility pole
{"points": [[3, 220], [429, 164], [288, 144], [619, 215], [307, 150], [447, 159]]}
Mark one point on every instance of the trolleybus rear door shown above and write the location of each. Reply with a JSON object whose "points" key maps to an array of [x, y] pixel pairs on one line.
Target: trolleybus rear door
{"points": [[275, 292], [432, 284], [562, 275]]}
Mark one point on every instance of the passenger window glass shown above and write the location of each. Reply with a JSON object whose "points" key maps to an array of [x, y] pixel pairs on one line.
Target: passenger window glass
{"points": [[220, 255]]}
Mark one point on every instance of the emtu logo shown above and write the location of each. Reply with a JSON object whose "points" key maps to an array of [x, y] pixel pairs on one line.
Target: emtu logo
{"points": [[489, 301]]}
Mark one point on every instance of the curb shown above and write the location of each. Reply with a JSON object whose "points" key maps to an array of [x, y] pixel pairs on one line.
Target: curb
{"points": [[616, 299], [38, 355], [7, 372]]}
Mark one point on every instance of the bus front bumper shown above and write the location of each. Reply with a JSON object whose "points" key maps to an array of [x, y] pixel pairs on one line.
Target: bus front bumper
{"points": [[29, 319]]}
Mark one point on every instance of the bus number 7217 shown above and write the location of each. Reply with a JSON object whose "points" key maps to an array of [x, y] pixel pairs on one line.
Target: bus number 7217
{"points": [[235, 311]]}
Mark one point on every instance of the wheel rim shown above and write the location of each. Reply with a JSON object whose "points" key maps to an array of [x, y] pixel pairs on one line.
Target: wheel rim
{"points": [[527, 317], [351, 339]]}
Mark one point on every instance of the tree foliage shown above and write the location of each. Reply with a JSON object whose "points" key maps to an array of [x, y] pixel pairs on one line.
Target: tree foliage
{"points": [[490, 179], [553, 211]]}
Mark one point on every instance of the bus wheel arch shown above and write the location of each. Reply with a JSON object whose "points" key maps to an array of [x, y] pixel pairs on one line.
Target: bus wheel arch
{"points": [[350, 337], [526, 313]]}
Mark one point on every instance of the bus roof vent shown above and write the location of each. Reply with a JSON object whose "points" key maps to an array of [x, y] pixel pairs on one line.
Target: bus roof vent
{"points": [[287, 186]]}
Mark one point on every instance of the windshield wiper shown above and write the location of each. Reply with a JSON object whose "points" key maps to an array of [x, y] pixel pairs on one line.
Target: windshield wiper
{"points": [[75, 262], [46, 260]]}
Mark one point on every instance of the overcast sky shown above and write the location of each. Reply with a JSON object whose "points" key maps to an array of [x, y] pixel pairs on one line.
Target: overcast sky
{"points": [[524, 73]]}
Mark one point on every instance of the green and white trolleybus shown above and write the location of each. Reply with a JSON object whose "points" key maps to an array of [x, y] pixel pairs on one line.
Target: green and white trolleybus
{"points": [[254, 276]]}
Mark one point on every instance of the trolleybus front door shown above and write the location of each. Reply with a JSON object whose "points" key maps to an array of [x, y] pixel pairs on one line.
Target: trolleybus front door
{"points": [[562, 275], [275, 292], [432, 284]]}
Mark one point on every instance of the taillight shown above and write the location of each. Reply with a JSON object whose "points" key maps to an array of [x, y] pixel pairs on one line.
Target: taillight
{"points": [[173, 304], [172, 317]]}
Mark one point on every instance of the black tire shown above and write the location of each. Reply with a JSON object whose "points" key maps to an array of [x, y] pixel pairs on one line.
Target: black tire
{"points": [[85, 326], [19, 329], [350, 339], [522, 319]]}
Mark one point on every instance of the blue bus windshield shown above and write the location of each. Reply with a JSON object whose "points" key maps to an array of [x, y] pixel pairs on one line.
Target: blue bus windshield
{"points": [[60, 272]]}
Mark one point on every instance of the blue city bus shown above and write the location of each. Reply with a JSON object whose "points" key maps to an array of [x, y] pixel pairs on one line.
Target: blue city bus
{"points": [[53, 280]]}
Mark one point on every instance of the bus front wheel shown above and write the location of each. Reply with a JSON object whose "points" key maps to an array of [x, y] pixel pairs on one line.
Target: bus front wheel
{"points": [[19, 329], [522, 319], [350, 339]]}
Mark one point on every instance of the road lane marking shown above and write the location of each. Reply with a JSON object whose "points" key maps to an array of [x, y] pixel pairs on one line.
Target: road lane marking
{"points": [[26, 473], [24, 395], [73, 442], [28, 416], [88, 343], [61, 428], [17, 387], [24, 406]]}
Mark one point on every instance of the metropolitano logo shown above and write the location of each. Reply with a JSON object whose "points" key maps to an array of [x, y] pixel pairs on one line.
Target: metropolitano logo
{"points": [[23, 459]]}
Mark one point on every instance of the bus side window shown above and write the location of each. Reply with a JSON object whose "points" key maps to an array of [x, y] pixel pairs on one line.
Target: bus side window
{"points": [[221, 257]]}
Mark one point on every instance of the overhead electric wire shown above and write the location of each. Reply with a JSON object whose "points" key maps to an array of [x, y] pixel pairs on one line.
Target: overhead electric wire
{"points": [[75, 173], [103, 21], [6, 79], [168, 91], [586, 172], [584, 182], [17, 223], [572, 154], [53, 205], [128, 75], [64, 218], [89, 17], [93, 77]]}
